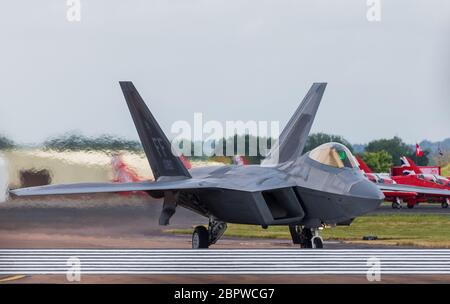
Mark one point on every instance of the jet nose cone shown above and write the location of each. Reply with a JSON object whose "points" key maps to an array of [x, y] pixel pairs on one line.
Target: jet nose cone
{"points": [[366, 189]]}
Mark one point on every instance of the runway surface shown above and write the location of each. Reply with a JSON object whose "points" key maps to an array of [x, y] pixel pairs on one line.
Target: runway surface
{"points": [[111, 227], [223, 262], [424, 208]]}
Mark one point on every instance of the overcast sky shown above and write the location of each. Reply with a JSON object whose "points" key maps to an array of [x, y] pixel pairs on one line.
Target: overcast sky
{"points": [[230, 60]]}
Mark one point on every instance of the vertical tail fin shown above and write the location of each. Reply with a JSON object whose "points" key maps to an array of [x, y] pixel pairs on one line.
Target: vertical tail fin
{"points": [[293, 138], [156, 145], [409, 164], [362, 165]]}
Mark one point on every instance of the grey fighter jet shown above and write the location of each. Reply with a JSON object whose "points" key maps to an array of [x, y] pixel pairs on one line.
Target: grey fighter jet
{"points": [[323, 187]]}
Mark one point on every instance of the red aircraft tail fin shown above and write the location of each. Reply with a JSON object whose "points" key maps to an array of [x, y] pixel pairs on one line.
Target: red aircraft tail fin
{"points": [[185, 162], [362, 165], [407, 163], [123, 173], [240, 160]]}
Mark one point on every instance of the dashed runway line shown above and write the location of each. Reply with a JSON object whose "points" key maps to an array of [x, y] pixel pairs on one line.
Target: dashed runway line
{"points": [[224, 261]]}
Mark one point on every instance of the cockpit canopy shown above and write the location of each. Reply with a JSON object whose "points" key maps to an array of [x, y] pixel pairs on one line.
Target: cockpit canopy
{"points": [[334, 154], [442, 180], [435, 179]]}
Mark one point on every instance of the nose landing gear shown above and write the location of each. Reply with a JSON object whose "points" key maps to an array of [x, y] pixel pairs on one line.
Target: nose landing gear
{"points": [[306, 237], [203, 237]]}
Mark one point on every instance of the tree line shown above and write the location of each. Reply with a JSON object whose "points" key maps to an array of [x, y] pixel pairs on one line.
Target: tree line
{"points": [[379, 154], [6, 143]]}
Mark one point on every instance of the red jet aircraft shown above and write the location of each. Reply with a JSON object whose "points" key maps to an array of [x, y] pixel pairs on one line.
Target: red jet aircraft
{"points": [[396, 197], [412, 188], [124, 174]]}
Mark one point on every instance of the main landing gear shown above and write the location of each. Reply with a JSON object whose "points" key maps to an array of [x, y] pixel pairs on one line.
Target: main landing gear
{"points": [[397, 204], [203, 237], [446, 203], [306, 237]]}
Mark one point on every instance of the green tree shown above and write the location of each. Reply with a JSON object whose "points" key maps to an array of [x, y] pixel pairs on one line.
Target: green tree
{"points": [[423, 160], [442, 160], [316, 139], [224, 146], [76, 142], [397, 148], [5, 143], [380, 161]]}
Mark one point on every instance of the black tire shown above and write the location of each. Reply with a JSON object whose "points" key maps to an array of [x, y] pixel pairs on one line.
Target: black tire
{"points": [[410, 206], [306, 238], [444, 205], [200, 238], [295, 234], [318, 244], [396, 205]]}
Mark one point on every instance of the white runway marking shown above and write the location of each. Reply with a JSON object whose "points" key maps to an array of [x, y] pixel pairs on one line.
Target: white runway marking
{"points": [[224, 261]]}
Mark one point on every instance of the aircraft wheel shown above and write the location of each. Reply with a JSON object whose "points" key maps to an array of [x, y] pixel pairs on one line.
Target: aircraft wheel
{"points": [[410, 206], [200, 238], [317, 242], [296, 233], [306, 238], [396, 205], [445, 204]]}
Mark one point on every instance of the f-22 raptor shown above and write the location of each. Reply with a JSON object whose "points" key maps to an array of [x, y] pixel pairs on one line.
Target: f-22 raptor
{"points": [[305, 192]]}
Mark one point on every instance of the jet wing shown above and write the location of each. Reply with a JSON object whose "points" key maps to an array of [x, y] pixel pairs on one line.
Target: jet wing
{"points": [[172, 185], [419, 190], [400, 194], [86, 188]]}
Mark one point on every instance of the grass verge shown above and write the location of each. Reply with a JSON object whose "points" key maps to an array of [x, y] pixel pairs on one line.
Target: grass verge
{"points": [[446, 170], [421, 230]]}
